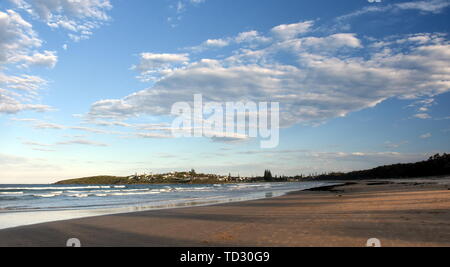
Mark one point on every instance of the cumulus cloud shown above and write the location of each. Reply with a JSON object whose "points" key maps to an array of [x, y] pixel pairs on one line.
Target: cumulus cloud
{"points": [[251, 37], [18, 42], [216, 43], [19, 45], [153, 66], [9, 105], [245, 39], [45, 59], [16, 35], [79, 18], [331, 42], [289, 31], [26, 83], [326, 77]]}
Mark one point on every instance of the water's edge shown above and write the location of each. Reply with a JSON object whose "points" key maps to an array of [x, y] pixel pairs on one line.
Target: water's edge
{"points": [[13, 219]]}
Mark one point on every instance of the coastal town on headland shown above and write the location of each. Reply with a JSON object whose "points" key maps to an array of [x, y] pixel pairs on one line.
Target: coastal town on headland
{"points": [[437, 165], [180, 177], [194, 177]]}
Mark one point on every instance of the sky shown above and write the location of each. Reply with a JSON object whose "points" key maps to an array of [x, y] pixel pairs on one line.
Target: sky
{"points": [[86, 87]]}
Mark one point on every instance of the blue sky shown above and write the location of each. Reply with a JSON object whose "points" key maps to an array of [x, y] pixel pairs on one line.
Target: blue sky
{"points": [[86, 87]]}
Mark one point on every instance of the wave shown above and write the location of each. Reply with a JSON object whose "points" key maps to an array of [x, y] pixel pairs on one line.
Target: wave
{"points": [[47, 195], [165, 190], [106, 191], [104, 194], [79, 195], [135, 197], [193, 189], [136, 193], [61, 188], [248, 186], [11, 193]]}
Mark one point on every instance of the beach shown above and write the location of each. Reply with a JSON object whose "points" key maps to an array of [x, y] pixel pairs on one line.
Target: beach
{"points": [[397, 212]]}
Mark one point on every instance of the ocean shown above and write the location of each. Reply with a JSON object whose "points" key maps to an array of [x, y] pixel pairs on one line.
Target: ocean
{"points": [[32, 204]]}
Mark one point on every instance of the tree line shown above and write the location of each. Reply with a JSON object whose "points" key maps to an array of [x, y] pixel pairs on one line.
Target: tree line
{"points": [[436, 165]]}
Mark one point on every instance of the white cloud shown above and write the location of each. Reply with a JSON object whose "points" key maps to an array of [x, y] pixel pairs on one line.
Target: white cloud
{"points": [[9, 105], [251, 37], [47, 125], [80, 18], [228, 138], [20, 93], [211, 44], [82, 142], [108, 123], [17, 38], [45, 59], [290, 31], [422, 116], [197, 1], [31, 143], [179, 7], [216, 43], [426, 136], [427, 6], [154, 135], [433, 6], [245, 39], [152, 66], [332, 42], [24, 82], [18, 49], [324, 79], [39, 146]]}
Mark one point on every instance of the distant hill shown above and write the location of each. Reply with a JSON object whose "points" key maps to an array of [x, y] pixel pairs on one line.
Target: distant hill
{"points": [[96, 180], [115, 180], [436, 165]]}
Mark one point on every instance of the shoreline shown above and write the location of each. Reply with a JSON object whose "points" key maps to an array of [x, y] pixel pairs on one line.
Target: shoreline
{"points": [[398, 212], [15, 218]]}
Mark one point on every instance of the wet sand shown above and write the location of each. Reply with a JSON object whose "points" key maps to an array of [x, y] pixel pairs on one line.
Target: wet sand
{"points": [[398, 213]]}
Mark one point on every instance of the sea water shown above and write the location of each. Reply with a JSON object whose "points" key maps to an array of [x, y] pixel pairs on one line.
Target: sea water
{"points": [[31, 204]]}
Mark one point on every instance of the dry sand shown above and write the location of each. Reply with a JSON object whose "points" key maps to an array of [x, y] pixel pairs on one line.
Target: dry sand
{"points": [[398, 214]]}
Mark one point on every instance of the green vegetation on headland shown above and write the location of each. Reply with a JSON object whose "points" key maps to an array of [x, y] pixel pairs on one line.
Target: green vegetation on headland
{"points": [[96, 180], [437, 165], [114, 180], [190, 177]]}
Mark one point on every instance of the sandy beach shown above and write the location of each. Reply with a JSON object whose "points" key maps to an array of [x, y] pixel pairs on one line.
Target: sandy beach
{"points": [[398, 213]]}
